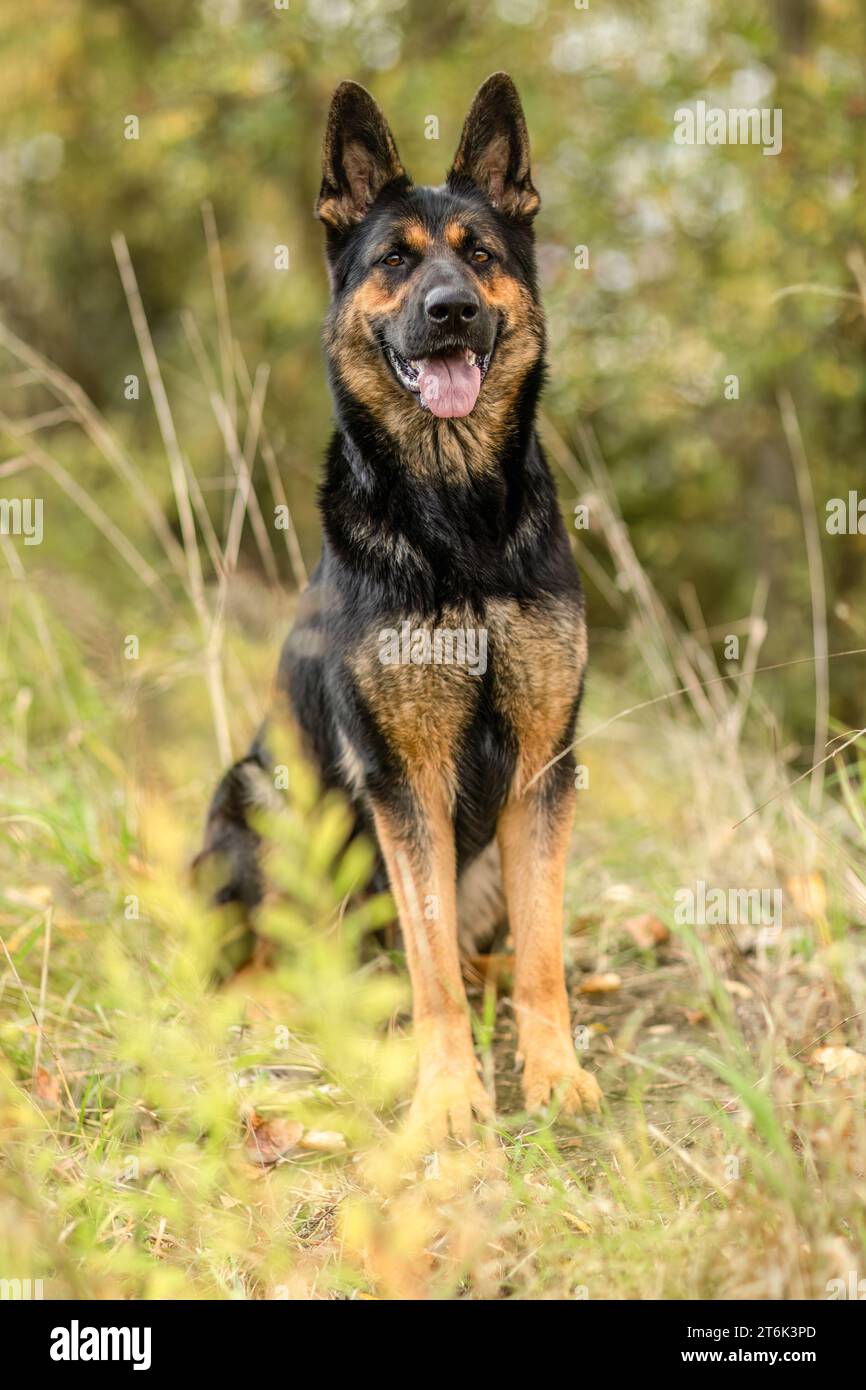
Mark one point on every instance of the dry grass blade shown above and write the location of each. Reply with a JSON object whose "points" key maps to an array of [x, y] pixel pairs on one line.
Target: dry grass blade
{"points": [[164, 419], [682, 690], [55, 666], [177, 467], [827, 290], [43, 988], [100, 435], [221, 303], [858, 733], [857, 265], [275, 481], [39, 1029], [241, 490], [817, 589], [142, 569], [663, 651]]}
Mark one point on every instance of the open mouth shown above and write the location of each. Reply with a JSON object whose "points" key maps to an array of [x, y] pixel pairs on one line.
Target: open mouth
{"points": [[448, 384]]}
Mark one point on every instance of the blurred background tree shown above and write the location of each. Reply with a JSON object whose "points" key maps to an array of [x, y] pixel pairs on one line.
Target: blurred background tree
{"points": [[702, 262]]}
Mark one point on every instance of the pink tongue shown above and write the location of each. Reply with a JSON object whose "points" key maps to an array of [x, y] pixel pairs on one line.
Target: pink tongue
{"points": [[449, 385]]}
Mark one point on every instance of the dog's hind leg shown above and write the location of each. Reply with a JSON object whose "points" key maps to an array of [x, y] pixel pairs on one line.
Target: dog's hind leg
{"points": [[534, 831], [417, 842]]}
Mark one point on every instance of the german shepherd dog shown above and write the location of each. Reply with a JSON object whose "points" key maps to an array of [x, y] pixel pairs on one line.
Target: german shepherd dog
{"points": [[436, 666]]}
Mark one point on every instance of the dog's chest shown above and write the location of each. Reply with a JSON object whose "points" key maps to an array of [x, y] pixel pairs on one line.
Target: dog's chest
{"points": [[518, 666], [539, 657]]}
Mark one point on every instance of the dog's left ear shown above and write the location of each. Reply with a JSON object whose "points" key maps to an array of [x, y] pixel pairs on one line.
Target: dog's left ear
{"points": [[359, 158], [494, 150]]}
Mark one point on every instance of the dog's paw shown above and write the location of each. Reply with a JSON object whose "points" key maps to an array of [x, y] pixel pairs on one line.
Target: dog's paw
{"points": [[449, 1099], [552, 1075]]}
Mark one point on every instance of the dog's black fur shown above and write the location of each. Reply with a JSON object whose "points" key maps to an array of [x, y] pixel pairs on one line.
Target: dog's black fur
{"points": [[425, 518]]}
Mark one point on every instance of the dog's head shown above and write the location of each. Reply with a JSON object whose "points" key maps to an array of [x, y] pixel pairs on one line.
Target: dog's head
{"points": [[435, 313]]}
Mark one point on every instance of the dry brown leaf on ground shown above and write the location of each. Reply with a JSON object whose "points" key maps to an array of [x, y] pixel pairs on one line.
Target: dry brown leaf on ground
{"points": [[606, 983], [585, 921], [268, 1141], [47, 1086], [841, 1063], [138, 866], [8, 919], [495, 969], [646, 931], [693, 1016], [809, 894], [31, 895], [328, 1141], [737, 988]]}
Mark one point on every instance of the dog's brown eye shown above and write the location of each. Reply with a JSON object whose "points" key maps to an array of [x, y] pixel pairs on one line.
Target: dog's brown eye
{"points": [[479, 255], [393, 258]]}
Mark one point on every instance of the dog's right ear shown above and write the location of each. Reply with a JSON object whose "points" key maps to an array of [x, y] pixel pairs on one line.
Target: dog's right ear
{"points": [[359, 158]]}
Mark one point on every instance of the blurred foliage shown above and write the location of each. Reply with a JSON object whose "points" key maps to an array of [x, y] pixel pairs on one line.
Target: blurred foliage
{"points": [[160, 1139], [690, 250]]}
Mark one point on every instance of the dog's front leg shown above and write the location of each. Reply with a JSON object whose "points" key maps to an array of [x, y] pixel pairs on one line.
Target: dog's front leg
{"points": [[533, 833], [417, 843]]}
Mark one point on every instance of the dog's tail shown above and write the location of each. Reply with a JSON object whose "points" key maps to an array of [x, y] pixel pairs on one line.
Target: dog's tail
{"points": [[227, 867], [480, 902]]}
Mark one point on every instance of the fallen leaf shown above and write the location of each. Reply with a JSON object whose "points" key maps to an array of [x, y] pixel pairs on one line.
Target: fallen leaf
{"points": [[324, 1141], [17, 937], [575, 1221], [737, 988], [497, 968], [139, 867], [601, 984], [646, 931], [618, 893], [268, 1141], [584, 921], [33, 895], [47, 1086], [809, 894], [694, 1016], [842, 1063]]}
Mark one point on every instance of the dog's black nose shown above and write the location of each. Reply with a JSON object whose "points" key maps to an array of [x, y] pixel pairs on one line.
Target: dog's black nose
{"points": [[451, 307]]}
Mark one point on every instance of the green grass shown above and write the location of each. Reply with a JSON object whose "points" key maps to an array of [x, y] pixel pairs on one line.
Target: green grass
{"points": [[725, 1163]]}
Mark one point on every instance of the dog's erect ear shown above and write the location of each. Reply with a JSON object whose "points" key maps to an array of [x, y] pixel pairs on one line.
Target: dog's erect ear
{"points": [[359, 157], [494, 149]]}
